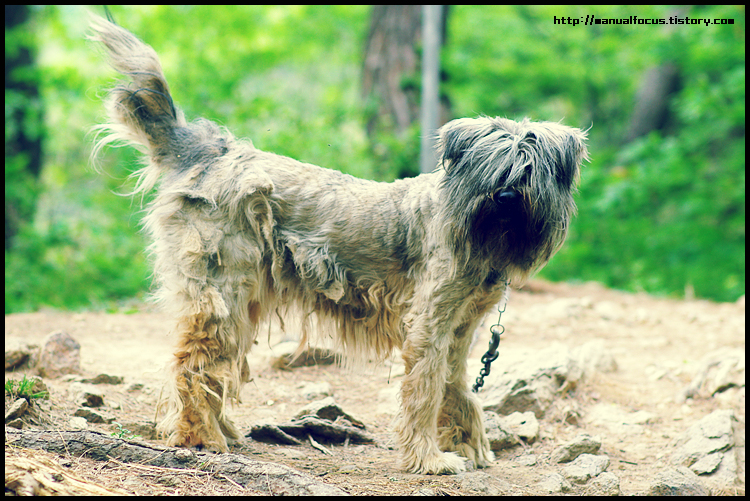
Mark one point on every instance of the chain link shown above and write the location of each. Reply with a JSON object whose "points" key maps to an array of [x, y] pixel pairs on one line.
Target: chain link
{"points": [[497, 330]]}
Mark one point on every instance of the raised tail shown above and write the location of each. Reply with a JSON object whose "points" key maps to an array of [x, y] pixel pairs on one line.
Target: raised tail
{"points": [[140, 109]]}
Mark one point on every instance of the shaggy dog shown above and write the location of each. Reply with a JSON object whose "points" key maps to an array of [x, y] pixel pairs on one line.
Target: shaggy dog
{"points": [[240, 234]]}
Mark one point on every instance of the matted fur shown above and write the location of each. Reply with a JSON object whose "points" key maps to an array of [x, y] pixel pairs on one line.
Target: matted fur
{"points": [[239, 233]]}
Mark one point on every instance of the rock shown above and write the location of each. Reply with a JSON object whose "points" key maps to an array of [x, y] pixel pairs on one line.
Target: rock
{"points": [[308, 357], [425, 491], [499, 435], [527, 460], [524, 425], [19, 354], [78, 423], [718, 371], [481, 483], [313, 391], [60, 355], [711, 434], [582, 444], [39, 387], [184, 455], [146, 430], [17, 409], [585, 467], [93, 416], [677, 482], [133, 387], [87, 395], [15, 423], [709, 448], [531, 384], [328, 409], [554, 484], [504, 432], [104, 379], [605, 484], [707, 464], [594, 357]]}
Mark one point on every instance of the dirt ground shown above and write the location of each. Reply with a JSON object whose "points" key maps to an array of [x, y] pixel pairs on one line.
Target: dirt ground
{"points": [[657, 344]]}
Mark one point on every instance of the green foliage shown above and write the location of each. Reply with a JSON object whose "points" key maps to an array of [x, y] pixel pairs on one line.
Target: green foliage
{"points": [[664, 213], [655, 224], [69, 265], [25, 388], [123, 433]]}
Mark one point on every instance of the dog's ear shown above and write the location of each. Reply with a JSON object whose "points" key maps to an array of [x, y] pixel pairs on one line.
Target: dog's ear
{"points": [[572, 152], [456, 138]]}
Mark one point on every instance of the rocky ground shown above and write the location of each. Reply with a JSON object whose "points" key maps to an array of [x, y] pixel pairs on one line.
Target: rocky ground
{"points": [[595, 392]]}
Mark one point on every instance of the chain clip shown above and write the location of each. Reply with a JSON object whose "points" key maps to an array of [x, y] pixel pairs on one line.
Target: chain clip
{"points": [[497, 330]]}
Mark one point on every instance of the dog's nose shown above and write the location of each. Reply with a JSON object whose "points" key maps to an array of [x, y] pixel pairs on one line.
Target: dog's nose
{"points": [[507, 204]]}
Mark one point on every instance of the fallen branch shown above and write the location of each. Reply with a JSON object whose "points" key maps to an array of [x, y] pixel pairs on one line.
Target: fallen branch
{"points": [[269, 478], [42, 476], [337, 432], [318, 446]]}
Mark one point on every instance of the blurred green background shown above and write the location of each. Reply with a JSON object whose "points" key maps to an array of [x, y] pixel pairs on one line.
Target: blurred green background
{"points": [[661, 208]]}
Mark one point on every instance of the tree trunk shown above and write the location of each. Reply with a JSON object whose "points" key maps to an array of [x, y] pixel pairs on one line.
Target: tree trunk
{"points": [[23, 121], [391, 74]]}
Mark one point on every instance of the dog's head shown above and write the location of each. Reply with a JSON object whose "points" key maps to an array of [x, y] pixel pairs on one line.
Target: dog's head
{"points": [[508, 187]]}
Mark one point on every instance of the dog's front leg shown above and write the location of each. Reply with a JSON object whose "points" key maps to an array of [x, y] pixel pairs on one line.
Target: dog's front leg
{"points": [[461, 425], [425, 353]]}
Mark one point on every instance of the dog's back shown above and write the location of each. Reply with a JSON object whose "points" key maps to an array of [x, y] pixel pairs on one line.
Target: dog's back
{"points": [[142, 113]]}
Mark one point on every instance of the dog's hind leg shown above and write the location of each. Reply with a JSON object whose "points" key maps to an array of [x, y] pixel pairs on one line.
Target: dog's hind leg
{"points": [[210, 297], [208, 372], [199, 376]]}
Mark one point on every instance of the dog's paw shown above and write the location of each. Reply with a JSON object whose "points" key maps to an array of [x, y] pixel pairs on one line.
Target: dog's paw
{"points": [[445, 463], [482, 456], [485, 458], [195, 441]]}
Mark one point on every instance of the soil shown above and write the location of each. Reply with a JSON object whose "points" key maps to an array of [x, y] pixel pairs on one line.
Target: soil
{"points": [[657, 344]]}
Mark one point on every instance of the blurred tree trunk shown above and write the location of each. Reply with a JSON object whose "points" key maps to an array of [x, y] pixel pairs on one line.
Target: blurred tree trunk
{"points": [[651, 108], [391, 76], [432, 20], [23, 121], [658, 84]]}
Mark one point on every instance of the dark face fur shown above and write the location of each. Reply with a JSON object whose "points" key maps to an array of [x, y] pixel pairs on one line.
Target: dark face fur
{"points": [[509, 187]]}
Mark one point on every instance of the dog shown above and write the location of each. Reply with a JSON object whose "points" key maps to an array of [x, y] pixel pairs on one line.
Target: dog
{"points": [[240, 234]]}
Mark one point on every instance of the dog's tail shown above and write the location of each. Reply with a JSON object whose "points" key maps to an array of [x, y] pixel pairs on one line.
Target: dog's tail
{"points": [[140, 111]]}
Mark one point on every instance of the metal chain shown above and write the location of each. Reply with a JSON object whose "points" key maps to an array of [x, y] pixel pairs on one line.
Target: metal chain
{"points": [[497, 330]]}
